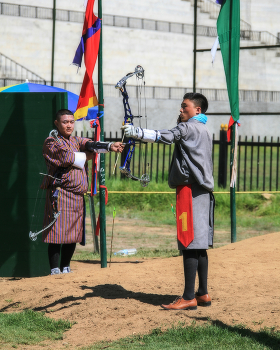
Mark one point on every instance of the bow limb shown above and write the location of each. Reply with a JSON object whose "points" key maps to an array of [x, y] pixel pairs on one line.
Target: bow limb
{"points": [[33, 235]]}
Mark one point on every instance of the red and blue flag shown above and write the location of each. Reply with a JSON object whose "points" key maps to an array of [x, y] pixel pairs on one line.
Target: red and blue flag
{"points": [[88, 48]]}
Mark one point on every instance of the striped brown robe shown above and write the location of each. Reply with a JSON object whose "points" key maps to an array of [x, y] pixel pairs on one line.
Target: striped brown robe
{"points": [[59, 157]]}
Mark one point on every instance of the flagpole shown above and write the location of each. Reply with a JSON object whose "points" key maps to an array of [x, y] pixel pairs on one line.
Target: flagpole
{"points": [[228, 29], [194, 45], [53, 40], [232, 189], [103, 250]]}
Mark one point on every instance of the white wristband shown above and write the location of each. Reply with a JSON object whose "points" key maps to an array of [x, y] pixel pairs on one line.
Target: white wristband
{"points": [[80, 159], [139, 132]]}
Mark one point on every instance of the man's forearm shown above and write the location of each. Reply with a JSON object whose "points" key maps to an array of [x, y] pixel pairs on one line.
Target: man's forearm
{"points": [[148, 135]]}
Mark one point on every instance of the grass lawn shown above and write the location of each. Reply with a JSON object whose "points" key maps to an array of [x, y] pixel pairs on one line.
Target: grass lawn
{"points": [[212, 336], [146, 222], [29, 327]]}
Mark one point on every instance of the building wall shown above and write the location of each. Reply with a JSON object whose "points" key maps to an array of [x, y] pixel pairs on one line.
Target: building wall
{"points": [[166, 57], [261, 15], [264, 15]]}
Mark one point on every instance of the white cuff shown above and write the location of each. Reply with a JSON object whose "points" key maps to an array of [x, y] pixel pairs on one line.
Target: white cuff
{"points": [[101, 151], [80, 159], [148, 135]]}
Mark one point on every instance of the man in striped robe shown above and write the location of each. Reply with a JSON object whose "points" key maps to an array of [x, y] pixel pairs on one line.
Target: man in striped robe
{"points": [[66, 158]]}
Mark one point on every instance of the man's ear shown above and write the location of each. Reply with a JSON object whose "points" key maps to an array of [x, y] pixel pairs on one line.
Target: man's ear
{"points": [[198, 110], [56, 123]]}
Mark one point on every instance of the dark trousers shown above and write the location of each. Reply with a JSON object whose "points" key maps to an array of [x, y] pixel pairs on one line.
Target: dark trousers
{"points": [[195, 260], [65, 250]]}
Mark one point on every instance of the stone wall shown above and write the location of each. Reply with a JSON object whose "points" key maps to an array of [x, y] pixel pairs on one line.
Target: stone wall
{"points": [[166, 57]]}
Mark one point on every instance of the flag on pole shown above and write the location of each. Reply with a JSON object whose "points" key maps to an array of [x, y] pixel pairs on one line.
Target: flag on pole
{"points": [[88, 47], [228, 28]]}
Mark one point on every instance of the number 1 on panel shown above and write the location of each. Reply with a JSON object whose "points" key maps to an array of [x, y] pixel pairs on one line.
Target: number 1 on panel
{"points": [[184, 218]]}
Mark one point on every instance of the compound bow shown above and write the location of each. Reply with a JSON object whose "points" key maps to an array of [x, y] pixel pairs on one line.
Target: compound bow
{"points": [[128, 119]]}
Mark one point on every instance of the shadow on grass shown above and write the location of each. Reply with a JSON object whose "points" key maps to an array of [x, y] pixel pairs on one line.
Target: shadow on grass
{"points": [[265, 336], [109, 291], [12, 305]]}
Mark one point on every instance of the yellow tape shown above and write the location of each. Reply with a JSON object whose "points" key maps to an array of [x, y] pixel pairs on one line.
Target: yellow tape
{"points": [[137, 192], [141, 192]]}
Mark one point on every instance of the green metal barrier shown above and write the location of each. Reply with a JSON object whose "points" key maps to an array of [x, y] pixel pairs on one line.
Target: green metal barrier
{"points": [[25, 121]]}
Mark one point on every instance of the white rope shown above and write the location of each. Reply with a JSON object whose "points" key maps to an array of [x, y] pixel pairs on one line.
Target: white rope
{"points": [[234, 163]]}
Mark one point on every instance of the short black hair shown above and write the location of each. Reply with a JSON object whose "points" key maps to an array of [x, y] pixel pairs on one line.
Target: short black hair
{"points": [[62, 112], [199, 100]]}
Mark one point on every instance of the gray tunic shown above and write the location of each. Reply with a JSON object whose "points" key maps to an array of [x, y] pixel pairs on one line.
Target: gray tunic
{"points": [[192, 164]]}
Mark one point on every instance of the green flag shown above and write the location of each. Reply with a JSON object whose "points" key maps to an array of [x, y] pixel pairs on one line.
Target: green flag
{"points": [[228, 28]]}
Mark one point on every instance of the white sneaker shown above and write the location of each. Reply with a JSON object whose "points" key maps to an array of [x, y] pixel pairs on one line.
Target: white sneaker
{"points": [[66, 269], [55, 271]]}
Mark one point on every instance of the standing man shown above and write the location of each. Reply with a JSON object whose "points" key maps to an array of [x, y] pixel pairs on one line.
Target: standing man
{"points": [[66, 158], [191, 174]]}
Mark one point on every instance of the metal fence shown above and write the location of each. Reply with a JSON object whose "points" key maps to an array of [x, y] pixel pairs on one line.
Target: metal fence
{"points": [[160, 92], [136, 23], [258, 162], [262, 37], [10, 68]]}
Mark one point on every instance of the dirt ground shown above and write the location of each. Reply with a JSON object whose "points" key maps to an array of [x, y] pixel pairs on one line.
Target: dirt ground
{"points": [[124, 299]]}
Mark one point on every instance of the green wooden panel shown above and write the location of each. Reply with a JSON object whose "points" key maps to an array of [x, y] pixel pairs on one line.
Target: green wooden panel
{"points": [[25, 121]]}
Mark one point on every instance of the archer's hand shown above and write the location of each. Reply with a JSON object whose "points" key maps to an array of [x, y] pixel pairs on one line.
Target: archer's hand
{"points": [[89, 155], [117, 147], [130, 131]]}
